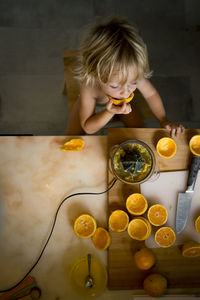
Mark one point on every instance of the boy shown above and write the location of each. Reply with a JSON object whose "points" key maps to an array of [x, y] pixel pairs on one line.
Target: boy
{"points": [[112, 64]]}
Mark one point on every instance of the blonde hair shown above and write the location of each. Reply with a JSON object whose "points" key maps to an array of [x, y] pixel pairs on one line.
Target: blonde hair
{"points": [[109, 47]]}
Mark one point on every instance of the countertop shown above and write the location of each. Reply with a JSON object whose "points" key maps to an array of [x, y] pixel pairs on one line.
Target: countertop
{"points": [[35, 176]]}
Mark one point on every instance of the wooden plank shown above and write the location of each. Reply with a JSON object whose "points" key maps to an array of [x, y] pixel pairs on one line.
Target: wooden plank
{"points": [[182, 273], [151, 136]]}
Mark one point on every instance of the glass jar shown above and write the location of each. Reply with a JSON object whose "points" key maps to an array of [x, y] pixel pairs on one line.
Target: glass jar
{"points": [[133, 162]]}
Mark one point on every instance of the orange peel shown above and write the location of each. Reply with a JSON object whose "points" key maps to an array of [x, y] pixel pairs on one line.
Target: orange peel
{"points": [[73, 145], [136, 204], [138, 229], [194, 145], [85, 226], [166, 147], [148, 226], [191, 249], [118, 220], [197, 224], [101, 238]]}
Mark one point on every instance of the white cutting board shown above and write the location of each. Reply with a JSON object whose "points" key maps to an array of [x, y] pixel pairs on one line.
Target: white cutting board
{"points": [[165, 191]]}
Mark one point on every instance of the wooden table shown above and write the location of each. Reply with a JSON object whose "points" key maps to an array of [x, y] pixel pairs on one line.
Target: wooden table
{"points": [[35, 176], [182, 273]]}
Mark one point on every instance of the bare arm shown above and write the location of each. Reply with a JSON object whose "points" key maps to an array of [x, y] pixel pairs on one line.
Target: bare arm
{"points": [[90, 121], [153, 99], [155, 103]]}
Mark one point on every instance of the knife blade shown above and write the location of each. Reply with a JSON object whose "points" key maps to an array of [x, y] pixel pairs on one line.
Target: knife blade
{"points": [[185, 199]]}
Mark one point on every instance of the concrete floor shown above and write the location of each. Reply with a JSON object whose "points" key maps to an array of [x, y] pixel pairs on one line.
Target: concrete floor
{"points": [[34, 33]]}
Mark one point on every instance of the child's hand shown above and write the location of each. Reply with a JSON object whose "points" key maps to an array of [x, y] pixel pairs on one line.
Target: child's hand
{"points": [[125, 108], [174, 129]]}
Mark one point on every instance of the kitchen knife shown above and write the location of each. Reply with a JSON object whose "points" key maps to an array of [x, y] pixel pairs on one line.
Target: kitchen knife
{"points": [[185, 199]]}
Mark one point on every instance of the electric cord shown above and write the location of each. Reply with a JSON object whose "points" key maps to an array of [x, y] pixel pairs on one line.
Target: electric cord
{"points": [[52, 229]]}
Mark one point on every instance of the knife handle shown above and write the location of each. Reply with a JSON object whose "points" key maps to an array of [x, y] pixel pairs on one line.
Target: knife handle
{"points": [[193, 172]]}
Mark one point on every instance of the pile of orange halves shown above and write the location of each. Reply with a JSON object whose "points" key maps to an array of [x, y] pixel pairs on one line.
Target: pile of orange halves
{"points": [[139, 228]]}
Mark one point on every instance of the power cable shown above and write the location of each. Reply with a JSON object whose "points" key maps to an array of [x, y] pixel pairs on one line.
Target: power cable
{"points": [[52, 229]]}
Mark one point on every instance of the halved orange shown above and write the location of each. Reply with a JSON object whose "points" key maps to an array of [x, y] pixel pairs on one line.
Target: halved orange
{"points": [[73, 145], [101, 238], [148, 225], [194, 145], [157, 214], [118, 220], [165, 237], [197, 224], [138, 229], [136, 204], [191, 249], [85, 226], [166, 147]]}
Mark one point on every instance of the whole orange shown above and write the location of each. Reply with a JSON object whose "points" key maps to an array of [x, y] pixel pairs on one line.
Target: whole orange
{"points": [[155, 285], [144, 259]]}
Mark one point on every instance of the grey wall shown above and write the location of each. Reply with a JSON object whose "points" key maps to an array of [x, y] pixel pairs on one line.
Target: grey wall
{"points": [[34, 33]]}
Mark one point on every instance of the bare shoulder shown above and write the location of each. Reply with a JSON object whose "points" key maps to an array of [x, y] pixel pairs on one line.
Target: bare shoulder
{"points": [[87, 93]]}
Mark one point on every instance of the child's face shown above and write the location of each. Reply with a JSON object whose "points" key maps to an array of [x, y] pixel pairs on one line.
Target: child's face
{"points": [[116, 90]]}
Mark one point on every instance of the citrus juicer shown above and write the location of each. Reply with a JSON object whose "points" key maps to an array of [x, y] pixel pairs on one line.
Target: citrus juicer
{"points": [[133, 162]]}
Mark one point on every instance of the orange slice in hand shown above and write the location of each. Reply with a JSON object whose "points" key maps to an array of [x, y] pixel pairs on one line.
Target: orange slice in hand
{"points": [[191, 249], [166, 147], [118, 220], [165, 237], [136, 204], [85, 226], [138, 229], [120, 101], [194, 145], [157, 214], [73, 145], [101, 238]]}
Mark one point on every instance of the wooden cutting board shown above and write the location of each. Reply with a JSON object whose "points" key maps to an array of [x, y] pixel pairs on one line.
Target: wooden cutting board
{"points": [[182, 273], [165, 191]]}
